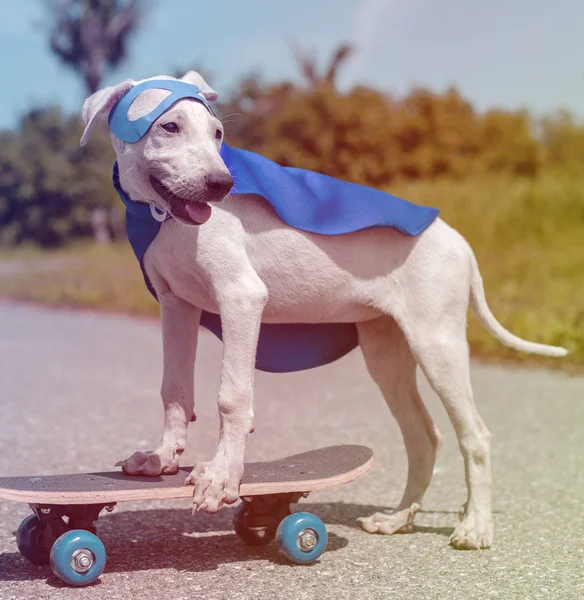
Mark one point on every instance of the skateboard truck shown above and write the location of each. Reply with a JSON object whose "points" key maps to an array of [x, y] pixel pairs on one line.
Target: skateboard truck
{"points": [[261, 515], [301, 537], [79, 516]]}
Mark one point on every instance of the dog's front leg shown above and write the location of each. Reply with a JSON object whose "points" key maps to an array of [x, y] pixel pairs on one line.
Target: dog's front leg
{"points": [[241, 305], [180, 325]]}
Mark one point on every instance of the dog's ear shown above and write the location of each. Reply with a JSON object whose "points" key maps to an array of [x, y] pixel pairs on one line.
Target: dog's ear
{"points": [[197, 79], [99, 104]]}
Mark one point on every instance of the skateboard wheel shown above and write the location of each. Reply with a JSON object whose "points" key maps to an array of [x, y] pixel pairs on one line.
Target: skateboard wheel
{"points": [[78, 557], [252, 537], [301, 537], [27, 540]]}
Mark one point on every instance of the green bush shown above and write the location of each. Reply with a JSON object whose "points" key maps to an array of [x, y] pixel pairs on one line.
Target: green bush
{"points": [[49, 185]]}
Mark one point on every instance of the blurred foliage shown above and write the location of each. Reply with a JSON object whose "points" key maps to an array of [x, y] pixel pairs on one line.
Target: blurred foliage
{"points": [[367, 137], [563, 140], [48, 184], [50, 189]]}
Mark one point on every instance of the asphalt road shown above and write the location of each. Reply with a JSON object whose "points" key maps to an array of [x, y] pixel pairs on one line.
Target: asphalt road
{"points": [[80, 391]]}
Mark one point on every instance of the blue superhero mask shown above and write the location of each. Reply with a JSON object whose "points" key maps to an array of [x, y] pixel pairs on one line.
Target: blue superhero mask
{"points": [[305, 200], [133, 131]]}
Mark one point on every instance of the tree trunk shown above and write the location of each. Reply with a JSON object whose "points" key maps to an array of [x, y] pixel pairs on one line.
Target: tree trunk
{"points": [[99, 222], [117, 219]]}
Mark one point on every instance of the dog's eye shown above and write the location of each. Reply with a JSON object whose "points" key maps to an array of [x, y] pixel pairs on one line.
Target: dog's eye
{"points": [[218, 134], [170, 127]]}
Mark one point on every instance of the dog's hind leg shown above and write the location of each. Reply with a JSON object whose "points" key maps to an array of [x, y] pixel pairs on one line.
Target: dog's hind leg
{"points": [[180, 323], [441, 350], [393, 368]]}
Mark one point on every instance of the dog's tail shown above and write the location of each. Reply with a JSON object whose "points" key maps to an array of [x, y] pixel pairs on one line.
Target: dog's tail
{"points": [[478, 303]]}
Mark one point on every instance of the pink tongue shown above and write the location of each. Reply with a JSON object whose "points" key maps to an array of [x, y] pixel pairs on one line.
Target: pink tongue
{"points": [[198, 212]]}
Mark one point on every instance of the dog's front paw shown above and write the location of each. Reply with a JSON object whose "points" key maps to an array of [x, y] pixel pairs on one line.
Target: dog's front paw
{"points": [[150, 464], [475, 532], [216, 484]]}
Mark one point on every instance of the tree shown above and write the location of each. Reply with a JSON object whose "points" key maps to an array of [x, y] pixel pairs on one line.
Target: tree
{"points": [[48, 184], [563, 139], [247, 107], [308, 68], [437, 134], [253, 103], [508, 143], [350, 136], [91, 37]]}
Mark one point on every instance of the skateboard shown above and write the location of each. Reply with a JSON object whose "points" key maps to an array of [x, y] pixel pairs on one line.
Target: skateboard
{"points": [[62, 529]]}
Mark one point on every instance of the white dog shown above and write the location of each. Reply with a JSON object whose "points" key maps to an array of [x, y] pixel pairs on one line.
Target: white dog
{"points": [[408, 296]]}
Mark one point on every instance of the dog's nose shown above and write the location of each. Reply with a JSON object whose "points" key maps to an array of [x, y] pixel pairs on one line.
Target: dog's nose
{"points": [[219, 184]]}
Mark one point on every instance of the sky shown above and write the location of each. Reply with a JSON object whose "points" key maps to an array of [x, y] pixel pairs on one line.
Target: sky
{"points": [[501, 53]]}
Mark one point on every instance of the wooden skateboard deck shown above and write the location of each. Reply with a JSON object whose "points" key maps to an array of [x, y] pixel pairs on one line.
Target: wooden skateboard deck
{"points": [[62, 531], [320, 469]]}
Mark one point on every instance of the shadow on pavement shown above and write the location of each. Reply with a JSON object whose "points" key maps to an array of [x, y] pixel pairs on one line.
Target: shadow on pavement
{"points": [[172, 539]]}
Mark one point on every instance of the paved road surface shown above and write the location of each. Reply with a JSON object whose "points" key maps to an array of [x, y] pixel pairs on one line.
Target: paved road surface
{"points": [[80, 391]]}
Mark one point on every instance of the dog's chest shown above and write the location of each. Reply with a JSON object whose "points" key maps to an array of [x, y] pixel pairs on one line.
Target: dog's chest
{"points": [[172, 265]]}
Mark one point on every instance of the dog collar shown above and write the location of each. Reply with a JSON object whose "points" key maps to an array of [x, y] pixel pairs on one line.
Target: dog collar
{"points": [[133, 131]]}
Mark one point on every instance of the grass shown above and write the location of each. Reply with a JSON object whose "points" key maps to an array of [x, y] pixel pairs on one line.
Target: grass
{"points": [[104, 278], [528, 237]]}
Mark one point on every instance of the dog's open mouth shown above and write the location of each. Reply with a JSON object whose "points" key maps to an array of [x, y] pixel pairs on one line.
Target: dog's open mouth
{"points": [[189, 211]]}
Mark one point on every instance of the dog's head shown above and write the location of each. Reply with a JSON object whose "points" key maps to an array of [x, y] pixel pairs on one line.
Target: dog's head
{"points": [[172, 162]]}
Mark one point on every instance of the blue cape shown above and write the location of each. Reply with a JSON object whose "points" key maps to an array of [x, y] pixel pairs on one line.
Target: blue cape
{"points": [[305, 200]]}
